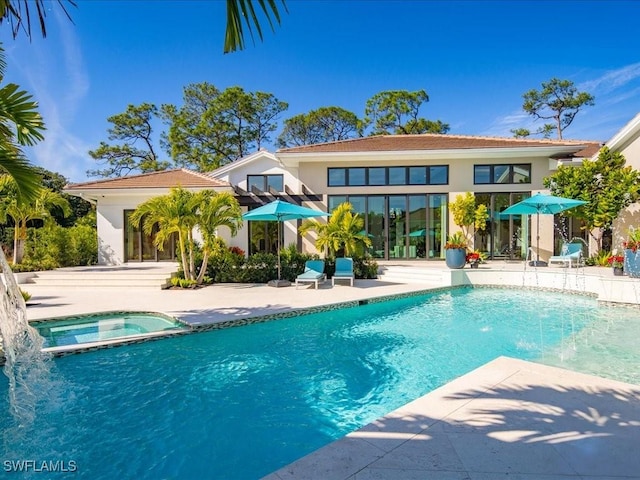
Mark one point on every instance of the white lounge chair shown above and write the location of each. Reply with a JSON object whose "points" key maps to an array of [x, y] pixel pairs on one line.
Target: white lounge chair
{"points": [[570, 255]]}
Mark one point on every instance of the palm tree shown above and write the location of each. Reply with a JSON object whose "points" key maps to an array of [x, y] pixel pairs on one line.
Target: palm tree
{"points": [[342, 234], [20, 125], [174, 214], [179, 213], [216, 210], [22, 210]]}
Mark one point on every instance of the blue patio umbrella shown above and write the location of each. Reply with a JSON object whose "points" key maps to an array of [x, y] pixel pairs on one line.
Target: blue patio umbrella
{"points": [[281, 211], [541, 204]]}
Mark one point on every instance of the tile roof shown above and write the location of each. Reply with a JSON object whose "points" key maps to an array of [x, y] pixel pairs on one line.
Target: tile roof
{"points": [[386, 143], [163, 179]]}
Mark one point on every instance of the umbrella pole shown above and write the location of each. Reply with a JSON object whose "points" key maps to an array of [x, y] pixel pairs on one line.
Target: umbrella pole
{"points": [[278, 243], [279, 282], [538, 262]]}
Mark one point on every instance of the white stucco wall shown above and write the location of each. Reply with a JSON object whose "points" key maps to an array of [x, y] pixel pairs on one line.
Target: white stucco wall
{"points": [[630, 217]]}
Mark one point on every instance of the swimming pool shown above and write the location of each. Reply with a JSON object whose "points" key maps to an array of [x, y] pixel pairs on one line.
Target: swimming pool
{"points": [[102, 327], [242, 402]]}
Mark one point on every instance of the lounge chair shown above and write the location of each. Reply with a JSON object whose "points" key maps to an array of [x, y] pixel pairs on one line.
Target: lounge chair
{"points": [[313, 273], [570, 255], [344, 270]]}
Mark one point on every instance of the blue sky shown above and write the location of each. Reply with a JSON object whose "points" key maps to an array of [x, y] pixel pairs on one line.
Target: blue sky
{"points": [[475, 59]]}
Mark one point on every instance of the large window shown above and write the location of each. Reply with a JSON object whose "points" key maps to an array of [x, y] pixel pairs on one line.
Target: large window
{"points": [[401, 226], [381, 176], [265, 183], [505, 174]]}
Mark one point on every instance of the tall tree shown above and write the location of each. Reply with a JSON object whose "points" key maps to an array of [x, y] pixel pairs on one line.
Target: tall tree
{"points": [[559, 101], [397, 112], [606, 184], [135, 151], [213, 127], [56, 183], [23, 211], [179, 213], [216, 210], [326, 124]]}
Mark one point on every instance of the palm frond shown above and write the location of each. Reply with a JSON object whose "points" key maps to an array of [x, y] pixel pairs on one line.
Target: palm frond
{"points": [[18, 14], [27, 178], [239, 10], [17, 107]]}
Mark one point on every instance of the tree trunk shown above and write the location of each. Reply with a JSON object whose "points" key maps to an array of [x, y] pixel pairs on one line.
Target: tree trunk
{"points": [[183, 256], [18, 250], [203, 267], [19, 236]]}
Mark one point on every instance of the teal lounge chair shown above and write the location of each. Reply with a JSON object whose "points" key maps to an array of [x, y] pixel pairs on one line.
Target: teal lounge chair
{"points": [[570, 255], [313, 273], [344, 270]]}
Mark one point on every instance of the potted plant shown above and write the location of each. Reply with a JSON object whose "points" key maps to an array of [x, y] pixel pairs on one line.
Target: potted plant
{"points": [[475, 258], [456, 250], [617, 262], [631, 254]]}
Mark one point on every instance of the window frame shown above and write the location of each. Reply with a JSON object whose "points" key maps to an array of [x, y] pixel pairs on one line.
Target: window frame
{"points": [[492, 171], [429, 169]]}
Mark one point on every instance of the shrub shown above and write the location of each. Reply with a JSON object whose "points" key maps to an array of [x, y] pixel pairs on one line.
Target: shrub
{"points": [[54, 246], [600, 259]]}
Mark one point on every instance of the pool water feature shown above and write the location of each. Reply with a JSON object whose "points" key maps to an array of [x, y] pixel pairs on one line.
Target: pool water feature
{"points": [[102, 327], [242, 402]]}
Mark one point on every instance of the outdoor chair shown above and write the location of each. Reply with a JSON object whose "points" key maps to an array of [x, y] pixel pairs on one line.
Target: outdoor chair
{"points": [[570, 255], [313, 273], [344, 270]]}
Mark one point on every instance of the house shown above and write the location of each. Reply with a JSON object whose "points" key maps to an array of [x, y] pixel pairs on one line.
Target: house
{"points": [[401, 184], [120, 241], [627, 142]]}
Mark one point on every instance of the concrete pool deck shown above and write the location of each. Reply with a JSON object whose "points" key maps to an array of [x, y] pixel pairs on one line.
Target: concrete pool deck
{"points": [[507, 419]]}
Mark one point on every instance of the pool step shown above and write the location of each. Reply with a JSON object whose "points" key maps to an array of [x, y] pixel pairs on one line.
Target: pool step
{"points": [[133, 277], [410, 274]]}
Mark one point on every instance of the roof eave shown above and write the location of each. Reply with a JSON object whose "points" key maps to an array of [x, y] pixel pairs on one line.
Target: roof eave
{"points": [[625, 135], [294, 159]]}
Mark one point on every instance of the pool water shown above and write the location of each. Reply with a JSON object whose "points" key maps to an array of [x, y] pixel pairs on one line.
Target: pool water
{"points": [[99, 328], [242, 402]]}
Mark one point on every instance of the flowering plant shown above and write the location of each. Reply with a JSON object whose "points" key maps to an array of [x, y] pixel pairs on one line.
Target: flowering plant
{"points": [[475, 257], [633, 242], [616, 261]]}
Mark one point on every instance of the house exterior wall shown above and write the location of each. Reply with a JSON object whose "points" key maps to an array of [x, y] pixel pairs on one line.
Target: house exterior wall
{"points": [[630, 217], [265, 164], [110, 222], [314, 175]]}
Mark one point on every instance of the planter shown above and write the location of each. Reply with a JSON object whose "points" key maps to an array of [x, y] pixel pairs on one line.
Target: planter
{"points": [[455, 257], [474, 265], [632, 263], [618, 271]]}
